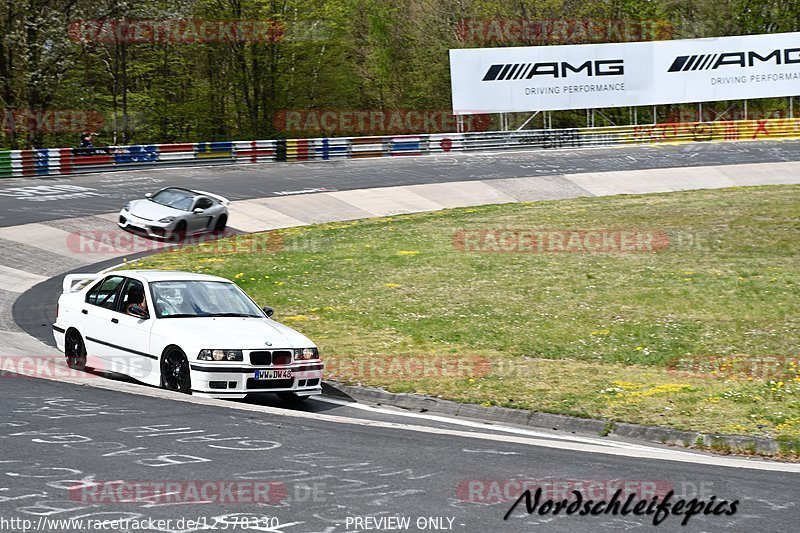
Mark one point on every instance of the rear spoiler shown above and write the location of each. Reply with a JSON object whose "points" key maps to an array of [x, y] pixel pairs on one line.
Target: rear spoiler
{"points": [[76, 282], [224, 201]]}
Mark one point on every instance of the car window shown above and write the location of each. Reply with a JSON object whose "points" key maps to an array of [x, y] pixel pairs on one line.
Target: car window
{"points": [[132, 294], [175, 198], [203, 203], [104, 293], [195, 298]]}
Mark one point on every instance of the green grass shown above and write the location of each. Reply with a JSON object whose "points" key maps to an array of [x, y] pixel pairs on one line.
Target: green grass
{"points": [[586, 334]]}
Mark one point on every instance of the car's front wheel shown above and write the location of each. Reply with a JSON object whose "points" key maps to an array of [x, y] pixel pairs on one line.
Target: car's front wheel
{"points": [[179, 233], [175, 371], [74, 350]]}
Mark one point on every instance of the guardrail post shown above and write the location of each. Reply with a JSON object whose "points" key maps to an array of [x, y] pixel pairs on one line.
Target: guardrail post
{"points": [[280, 150]]}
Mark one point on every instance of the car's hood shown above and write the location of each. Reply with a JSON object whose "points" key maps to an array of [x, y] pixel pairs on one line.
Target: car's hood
{"points": [[231, 333], [150, 210]]}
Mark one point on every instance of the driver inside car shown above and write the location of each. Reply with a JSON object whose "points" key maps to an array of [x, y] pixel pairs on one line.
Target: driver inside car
{"points": [[136, 302]]}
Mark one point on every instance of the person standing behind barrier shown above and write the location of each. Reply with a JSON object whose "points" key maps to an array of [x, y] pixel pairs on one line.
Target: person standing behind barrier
{"points": [[86, 139]]}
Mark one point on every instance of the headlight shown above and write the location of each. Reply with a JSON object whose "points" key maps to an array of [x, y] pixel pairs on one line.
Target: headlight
{"points": [[303, 354], [167, 220], [127, 207], [220, 355]]}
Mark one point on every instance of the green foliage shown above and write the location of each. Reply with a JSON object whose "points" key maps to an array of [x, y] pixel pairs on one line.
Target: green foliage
{"points": [[333, 54]]}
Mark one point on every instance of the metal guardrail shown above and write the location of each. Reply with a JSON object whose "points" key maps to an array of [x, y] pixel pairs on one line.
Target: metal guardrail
{"points": [[63, 161]]}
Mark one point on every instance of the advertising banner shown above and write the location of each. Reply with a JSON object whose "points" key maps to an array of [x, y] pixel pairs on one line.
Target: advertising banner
{"points": [[547, 78]]}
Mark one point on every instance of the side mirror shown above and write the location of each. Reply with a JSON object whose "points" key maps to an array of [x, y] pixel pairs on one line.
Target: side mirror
{"points": [[148, 194], [198, 210], [268, 310], [138, 312]]}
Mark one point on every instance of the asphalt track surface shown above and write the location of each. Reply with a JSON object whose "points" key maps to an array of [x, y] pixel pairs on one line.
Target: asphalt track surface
{"points": [[21, 202], [324, 474], [330, 462]]}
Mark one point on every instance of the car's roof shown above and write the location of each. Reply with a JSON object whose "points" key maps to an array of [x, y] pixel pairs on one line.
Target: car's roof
{"points": [[167, 275], [181, 189]]}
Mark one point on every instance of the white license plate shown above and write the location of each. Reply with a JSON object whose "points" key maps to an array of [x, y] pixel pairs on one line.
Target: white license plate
{"points": [[273, 374]]}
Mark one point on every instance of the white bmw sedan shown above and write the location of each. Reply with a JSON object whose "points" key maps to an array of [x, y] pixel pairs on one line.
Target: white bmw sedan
{"points": [[186, 332]]}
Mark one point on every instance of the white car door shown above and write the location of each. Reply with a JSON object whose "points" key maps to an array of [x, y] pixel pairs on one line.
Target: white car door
{"points": [[200, 221], [132, 333], [96, 317]]}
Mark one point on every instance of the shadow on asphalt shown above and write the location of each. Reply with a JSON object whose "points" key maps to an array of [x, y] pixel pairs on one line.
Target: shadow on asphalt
{"points": [[267, 400]]}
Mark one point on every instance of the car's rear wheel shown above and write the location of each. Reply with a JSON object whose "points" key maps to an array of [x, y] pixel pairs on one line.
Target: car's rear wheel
{"points": [[222, 221], [75, 350], [175, 371], [291, 397]]}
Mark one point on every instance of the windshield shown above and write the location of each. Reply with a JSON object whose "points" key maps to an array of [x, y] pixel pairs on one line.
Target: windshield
{"points": [[174, 198], [180, 299]]}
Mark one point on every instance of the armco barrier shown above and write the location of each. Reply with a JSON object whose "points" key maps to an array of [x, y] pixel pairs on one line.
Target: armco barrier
{"points": [[214, 150], [5, 163], [254, 151], [300, 149], [445, 142], [407, 145], [336, 148], [136, 154], [176, 154], [367, 147], [55, 161]]}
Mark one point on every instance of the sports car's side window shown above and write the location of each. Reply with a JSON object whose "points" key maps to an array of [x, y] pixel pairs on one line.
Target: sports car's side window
{"points": [[203, 203], [104, 293]]}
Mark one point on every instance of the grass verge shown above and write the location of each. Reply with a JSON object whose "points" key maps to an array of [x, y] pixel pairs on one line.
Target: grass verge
{"points": [[698, 332]]}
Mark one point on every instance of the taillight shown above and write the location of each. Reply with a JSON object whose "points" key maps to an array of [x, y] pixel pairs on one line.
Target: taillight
{"points": [[56, 310]]}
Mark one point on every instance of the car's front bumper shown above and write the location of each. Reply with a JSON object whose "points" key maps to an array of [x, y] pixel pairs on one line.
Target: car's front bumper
{"points": [[153, 228], [237, 381]]}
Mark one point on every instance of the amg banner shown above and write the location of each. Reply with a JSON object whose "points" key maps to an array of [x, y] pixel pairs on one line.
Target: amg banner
{"points": [[546, 78]]}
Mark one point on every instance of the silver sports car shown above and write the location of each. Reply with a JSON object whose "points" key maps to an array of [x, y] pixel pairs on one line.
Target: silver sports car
{"points": [[174, 212]]}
